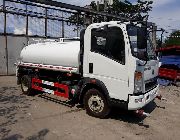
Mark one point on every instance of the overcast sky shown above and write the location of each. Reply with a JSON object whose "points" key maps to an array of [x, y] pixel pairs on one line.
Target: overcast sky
{"points": [[165, 13]]}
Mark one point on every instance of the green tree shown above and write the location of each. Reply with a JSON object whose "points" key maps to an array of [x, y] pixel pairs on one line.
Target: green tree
{"points": [[139, 11], [174, 39], [126, 8]]}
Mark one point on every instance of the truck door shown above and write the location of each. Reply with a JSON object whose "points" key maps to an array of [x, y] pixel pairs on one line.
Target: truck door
{"points": [[107, 60]]}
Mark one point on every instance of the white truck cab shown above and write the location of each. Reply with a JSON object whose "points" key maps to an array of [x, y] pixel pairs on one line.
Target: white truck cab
{"points": [[111, 50], [112, 64]]}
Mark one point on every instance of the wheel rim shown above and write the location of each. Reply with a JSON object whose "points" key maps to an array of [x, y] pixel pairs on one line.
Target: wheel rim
{"points": [[96, 104], [24, 85]]}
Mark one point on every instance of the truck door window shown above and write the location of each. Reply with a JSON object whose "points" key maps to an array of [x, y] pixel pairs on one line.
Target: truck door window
{"points": [[98, 41], [109, 43]]}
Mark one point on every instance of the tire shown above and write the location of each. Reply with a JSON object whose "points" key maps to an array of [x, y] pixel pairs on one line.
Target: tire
{"points": [[26, 85], [96, 104], [178, 83]]}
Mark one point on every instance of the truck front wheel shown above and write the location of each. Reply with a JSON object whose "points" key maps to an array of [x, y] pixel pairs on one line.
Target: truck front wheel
{"points": [[95, 104], [26, 85], [178, 83]]}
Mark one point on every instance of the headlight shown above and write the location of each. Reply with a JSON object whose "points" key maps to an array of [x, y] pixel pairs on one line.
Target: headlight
{"points": [[138, 82]]}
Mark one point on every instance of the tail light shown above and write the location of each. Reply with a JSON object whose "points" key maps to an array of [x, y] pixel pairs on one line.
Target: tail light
{"points": [[138, 76]]}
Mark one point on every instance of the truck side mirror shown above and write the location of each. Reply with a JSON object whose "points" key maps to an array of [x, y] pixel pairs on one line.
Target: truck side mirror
{"points": [[142, 38]]}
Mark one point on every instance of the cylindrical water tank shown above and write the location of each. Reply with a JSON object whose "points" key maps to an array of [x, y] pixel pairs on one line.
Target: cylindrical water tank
{"points": [[52, 53]]}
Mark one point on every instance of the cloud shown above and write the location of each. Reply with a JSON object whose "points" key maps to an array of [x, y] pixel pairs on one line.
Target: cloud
{"points": [[21, 31], [77, 2], [158, 3], [165, 14]]}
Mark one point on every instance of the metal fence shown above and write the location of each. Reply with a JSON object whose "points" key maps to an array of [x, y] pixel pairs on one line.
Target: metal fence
{"points": [[36, 20]]}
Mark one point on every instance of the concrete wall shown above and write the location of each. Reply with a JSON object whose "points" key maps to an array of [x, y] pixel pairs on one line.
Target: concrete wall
{"points": [[14, 45], [10, 55], [3, 62]]}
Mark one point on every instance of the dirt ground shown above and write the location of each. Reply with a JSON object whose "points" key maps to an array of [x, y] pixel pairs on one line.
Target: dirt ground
{"points": [[47, 117]]}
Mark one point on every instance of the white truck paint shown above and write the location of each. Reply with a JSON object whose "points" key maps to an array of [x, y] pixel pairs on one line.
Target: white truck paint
{"points": [[119, 73], [52, 53]]}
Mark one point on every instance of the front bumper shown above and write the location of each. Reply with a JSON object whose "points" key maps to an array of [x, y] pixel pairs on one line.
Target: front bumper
{"points": [[137, 102]]}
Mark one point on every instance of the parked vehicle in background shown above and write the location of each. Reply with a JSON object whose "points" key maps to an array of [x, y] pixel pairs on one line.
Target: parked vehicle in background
{"points": [[170, 64]]}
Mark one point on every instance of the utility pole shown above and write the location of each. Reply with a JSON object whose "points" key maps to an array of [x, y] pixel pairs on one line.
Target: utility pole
{"points": [[105, 8], [97, 6], [98, 10], [154, 28]]}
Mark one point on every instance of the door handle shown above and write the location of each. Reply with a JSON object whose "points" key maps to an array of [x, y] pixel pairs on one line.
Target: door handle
{"points": [[90, 67]]}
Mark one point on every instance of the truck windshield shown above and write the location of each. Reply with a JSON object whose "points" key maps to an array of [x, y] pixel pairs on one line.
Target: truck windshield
{"points": [[141, 43]]}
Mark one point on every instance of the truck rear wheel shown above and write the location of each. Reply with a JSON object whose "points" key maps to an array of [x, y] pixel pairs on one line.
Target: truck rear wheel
{"points": [[178, 83], [26, 85], [95, 104]]}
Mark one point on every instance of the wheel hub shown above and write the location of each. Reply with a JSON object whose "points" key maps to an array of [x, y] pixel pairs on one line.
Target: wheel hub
{"points": [[96, 103]]}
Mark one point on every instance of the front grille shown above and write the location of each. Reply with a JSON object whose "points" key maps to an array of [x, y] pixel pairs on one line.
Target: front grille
{"points": [[151, 84]]}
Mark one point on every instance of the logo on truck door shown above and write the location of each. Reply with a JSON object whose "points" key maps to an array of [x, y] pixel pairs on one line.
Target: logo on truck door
{"points": [[101, 41]]}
